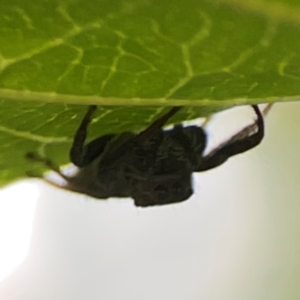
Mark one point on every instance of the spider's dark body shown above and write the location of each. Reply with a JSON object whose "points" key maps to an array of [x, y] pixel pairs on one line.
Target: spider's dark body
{"points": [[155, 166]]}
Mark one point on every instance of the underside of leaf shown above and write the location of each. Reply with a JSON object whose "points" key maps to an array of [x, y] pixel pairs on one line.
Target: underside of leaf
{"points": [[133, 59]]}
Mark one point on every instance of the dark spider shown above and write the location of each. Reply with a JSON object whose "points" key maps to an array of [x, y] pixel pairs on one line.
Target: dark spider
{"points": [[154, 167]]}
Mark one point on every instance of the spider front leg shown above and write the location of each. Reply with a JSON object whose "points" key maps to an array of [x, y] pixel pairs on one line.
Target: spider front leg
{"points": [[157, 124], [233, 146], [77, 149], [81, 155]]}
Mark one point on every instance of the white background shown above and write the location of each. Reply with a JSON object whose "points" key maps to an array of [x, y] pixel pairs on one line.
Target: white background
{"points": [[237, 238]]}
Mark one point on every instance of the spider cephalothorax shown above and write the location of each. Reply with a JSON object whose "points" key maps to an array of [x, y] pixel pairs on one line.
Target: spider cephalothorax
{"points": [[155, 166]]}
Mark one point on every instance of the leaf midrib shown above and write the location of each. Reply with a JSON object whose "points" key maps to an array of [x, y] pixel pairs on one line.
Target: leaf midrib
{"points": [[52, 97]]}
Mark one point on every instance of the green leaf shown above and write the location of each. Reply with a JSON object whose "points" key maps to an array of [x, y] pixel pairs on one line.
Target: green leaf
{"points": [[133, 58]]}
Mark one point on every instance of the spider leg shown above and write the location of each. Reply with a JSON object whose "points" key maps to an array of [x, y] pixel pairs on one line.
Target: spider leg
{"points": [[158, 124], [77, 149], [250, 128], [236, 145], [81, 155]]}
